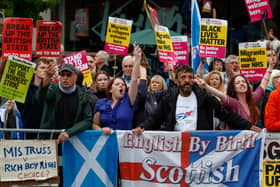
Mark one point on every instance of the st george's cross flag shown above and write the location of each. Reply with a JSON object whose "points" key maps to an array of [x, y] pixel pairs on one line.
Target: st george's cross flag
{"points": [[191, 159], [90, 159]]}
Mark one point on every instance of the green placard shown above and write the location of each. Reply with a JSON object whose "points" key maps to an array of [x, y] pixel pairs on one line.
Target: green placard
{"points": [[16, 79]]}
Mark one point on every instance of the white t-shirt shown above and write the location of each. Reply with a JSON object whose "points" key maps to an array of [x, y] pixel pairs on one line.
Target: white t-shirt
{"points": [[186, 113]]}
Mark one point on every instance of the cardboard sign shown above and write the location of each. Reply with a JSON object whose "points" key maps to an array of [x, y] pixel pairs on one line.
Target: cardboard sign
{"points": [[253, 63], [28, 160], [17, 38], [79, 60], [16, 79], [81, 21], [48, 39], [213, 38], [164, 44], [258, 9], [118, 36]]}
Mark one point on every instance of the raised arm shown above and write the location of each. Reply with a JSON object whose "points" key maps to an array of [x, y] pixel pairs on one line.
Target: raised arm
{"points": [[267, 75], [170, 70], [200, 69], [49, 74], [213, 91], [132, 91]]}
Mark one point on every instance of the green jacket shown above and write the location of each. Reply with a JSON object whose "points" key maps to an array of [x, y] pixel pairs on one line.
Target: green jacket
{"points": [[52, 95]]}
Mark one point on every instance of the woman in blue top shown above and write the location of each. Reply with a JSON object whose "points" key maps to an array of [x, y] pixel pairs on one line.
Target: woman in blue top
{"points": [[116, 113]]}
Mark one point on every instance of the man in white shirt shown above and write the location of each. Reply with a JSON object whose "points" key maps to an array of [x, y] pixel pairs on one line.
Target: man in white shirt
{"points": [[188, 107]]}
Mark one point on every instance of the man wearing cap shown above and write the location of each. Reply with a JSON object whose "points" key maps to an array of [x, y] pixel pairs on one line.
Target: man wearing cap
{"points": [[66, 105]]}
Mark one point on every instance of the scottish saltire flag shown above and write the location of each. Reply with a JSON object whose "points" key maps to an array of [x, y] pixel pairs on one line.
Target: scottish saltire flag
{"points": [[90, 159], [191, 159]]}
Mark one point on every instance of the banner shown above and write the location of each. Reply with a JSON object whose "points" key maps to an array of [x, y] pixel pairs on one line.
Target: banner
{"points": [[180, 47], [258, 9], [17, 38], [164, 44], [271, 164], [28, 160], [118, 36], [48, 39], [79, 60], [213, 38], [253, 62], [219, 158], [16, 79], [81, 21], [90, 159]]}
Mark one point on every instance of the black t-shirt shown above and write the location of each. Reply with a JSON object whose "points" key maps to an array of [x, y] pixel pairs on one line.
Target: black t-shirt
{"points": [[66, 111]]}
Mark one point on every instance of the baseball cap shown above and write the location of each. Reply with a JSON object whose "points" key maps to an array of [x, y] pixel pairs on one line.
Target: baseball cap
{"points": [[67, 67]]}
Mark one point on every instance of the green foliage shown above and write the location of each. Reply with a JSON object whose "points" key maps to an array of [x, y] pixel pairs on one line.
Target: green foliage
{"points": [[26, 8]]}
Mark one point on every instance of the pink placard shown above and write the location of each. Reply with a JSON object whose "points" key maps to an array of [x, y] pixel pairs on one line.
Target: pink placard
{"points": [[117, 49], [181, 52], [79, 60], [253, 74], [258, 8], [212, 51], [166, 56]]}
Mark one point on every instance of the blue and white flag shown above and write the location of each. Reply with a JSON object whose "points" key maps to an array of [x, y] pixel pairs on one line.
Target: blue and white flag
{"points": [[195, 16], [90, 159]]}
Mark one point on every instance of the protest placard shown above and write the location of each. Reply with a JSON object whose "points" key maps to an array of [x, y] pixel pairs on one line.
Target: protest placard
{"points": [[48, 38], [164, 45], [258, 9], [118, 35], [28, 160], [180, 47], [16, 79], [79, 60], [252, 57], [81, 22], [17, 38], [271, 164], [213, 38]]}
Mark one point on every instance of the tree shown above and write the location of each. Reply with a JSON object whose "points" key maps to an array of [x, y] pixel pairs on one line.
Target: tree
{"points": [[26, 8]]}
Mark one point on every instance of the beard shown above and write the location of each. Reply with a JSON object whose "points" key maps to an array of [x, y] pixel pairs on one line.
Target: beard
{"points": [[186, 90]]}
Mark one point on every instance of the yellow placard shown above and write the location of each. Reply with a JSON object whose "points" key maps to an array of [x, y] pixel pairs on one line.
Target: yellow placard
{"points": [[271, 173], [16, 79], [252, 58], [118, 34], [213, 35], [87, 78], [163, 41]]}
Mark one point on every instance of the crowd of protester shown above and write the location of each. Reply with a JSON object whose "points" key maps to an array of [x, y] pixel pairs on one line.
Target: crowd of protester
{"points": [[130, 99], [126, 97]]}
